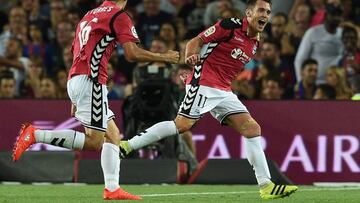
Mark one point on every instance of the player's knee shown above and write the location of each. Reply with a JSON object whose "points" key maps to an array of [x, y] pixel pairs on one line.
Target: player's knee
{"points": [[94, 142], [113, 137], [183, 126], [250, 128]]}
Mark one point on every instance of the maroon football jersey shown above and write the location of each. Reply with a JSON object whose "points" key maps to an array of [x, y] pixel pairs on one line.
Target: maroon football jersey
{"points": [[96, 37], [226, 50]]}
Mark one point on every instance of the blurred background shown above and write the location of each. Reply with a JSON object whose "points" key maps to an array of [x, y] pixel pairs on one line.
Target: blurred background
{"points": [[309, 51]]}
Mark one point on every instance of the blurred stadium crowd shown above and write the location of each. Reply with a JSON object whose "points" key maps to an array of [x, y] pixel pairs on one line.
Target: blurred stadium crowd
{"points": [[309, 50]]}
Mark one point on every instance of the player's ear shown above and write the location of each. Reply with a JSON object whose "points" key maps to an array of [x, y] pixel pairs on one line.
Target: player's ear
{"points": [[248, 12]]}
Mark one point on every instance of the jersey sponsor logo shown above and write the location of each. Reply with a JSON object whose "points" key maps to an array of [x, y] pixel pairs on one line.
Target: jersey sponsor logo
{"points": [[238, 39], [238, 54], [133, 30], [211, 30]]}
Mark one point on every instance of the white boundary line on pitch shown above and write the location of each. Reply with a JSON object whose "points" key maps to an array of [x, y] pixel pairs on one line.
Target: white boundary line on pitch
{"points": [[243, 192]]}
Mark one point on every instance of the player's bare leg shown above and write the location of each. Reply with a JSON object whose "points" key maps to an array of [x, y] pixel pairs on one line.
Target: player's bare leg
{"points": [[155, 133], [247, 126]]}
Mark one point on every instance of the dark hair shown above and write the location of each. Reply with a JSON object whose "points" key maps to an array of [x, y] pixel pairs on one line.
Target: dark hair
{"points": [[14, 38], [308, 62], [274, 42], [328, 90], [172, 24], [281, 14], [6, 75], [276, 78], [251, 3], [348, 29]]}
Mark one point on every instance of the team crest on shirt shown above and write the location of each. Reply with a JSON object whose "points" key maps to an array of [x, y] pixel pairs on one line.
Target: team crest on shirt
{"points": [[133, 30], [211, 30]]}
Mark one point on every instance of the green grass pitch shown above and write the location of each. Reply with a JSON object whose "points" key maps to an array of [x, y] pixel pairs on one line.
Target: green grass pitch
{"points": [[173, 193]]}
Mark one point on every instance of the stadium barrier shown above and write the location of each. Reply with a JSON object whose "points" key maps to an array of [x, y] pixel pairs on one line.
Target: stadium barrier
{"points": [[311, 141], [56, 167], [59, 167]]}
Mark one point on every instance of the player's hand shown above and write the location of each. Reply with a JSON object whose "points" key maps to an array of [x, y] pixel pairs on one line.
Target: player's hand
{"points": [[184, 75], [193, 60], [172, 56]]}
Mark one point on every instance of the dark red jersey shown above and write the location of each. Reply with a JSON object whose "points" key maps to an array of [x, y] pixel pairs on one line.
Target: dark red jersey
{"points": [[96, 37], [226, 50]]}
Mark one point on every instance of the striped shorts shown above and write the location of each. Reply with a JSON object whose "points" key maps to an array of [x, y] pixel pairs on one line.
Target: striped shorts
{"points": [[202, 99], [90, 99]]}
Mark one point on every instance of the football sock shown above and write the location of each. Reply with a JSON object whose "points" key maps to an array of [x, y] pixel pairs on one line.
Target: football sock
{"points": [[69, 139], [153, 134], [110, 163], [256, 158]]}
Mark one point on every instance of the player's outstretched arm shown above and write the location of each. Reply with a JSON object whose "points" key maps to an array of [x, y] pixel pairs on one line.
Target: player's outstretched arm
{"points": [[192, 52], [134, 53]]}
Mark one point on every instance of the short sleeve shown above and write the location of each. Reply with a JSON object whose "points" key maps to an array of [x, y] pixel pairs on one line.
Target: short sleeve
{"points": [[214, 33], [125, 30]]}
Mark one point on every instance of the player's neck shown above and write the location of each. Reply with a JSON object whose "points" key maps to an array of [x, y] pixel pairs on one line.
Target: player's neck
{"points": [[251, 33]]}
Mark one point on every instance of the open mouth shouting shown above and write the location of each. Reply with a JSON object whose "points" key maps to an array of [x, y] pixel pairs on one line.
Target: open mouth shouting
{"points": [[262, 23]]}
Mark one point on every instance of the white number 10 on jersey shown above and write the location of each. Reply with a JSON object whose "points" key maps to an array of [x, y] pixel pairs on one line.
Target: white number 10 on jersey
{"points": [[85, 29]]}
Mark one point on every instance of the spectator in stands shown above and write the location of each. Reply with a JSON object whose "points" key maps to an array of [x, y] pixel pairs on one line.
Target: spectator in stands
{"points": [[7, 85], [61, 83], [355, 86], [150, 21], [181, 29], [115, 90], [37, 47], [36, 15], [168, 33], [31, 85], [57, 14], [274, 87], [278, 32], [214, 9], [351, 58], [322, 43], [15, 62], [261, 73], [278, 25], [194, 17], [335, 77], [319, 16], [47, 89], [73, 16], [231, 13], [281, 6], [270, 56], [67, 57], [17, 27], [297, 26], [325, 92], [305, 89], [64, 34], [158, 45]]}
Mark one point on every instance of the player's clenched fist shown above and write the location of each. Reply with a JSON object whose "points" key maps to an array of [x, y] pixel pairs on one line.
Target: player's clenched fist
{"points": [[193, 60], [172, 56]]}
